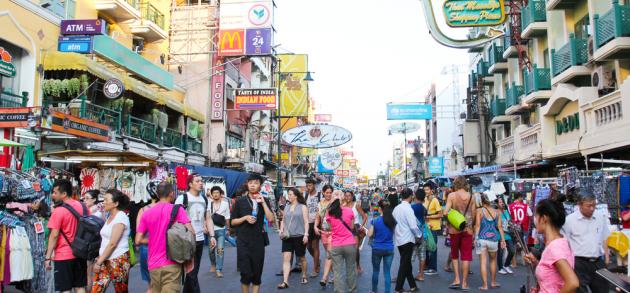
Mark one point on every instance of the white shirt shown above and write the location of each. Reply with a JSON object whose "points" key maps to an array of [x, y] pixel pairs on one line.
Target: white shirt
{"points": [[196, 212], [406, 230], [586, 236], [106, 235], [223, 209]]}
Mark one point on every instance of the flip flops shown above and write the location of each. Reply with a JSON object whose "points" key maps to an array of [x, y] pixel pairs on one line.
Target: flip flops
{"points": [[454, 286]]}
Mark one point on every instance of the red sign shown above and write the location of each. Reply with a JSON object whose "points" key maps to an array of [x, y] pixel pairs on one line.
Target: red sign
{"points": [[64, 123], [342, 173], [231, 42], [20, 117], [323, 117], [255, 99], [216, 90]]}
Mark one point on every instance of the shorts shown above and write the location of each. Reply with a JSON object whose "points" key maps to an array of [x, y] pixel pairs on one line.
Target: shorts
{"points": [[250, 260], [420, 250], [461, 244], [70, 274], [294, 244], [325, 239], [483, 245], [144, 265], [311, 232]]}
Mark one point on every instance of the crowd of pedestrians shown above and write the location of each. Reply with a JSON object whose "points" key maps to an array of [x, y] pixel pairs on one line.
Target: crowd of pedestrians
{"points": [[334, 224]]}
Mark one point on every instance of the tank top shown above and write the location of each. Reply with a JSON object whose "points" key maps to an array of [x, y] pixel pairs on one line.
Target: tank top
{"points": [[294, 220], [383, 236], [488, 230], [323, 208], [357, 216]]}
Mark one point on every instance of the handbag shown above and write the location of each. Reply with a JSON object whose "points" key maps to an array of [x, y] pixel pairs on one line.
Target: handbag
{"points": [[284, 235], [431, 245], [217, 219], [354, 233], [132, 253]]}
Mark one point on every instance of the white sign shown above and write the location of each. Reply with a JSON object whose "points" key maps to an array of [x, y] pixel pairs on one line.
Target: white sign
{"points": [[246, 14], [331, 159], [404, 127], [317, 136]]}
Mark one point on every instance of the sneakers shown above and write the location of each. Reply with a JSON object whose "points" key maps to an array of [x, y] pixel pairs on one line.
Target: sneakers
{"points": [[503, 271], [430, 272], [509, 270]]}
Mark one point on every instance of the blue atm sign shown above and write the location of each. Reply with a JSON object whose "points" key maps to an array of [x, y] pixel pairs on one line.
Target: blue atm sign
{"points": [[75, 44]]}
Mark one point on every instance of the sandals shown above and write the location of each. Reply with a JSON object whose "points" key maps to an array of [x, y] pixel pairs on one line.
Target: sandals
{"points": [[322, 283], [495, 286], [454, 286], [283, 285], [304, 281], [482, 289]]}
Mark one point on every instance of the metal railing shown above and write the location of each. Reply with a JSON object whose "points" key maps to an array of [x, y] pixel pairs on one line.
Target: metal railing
{"points": [[8, 100], [193, 145], [513, 95], [141, 129], [101, 115], [497, 107], [573, 53], [495, 55], [535, 11], [482, 68], [612, 24], [172, 138], [537, 79], [150, 13]]}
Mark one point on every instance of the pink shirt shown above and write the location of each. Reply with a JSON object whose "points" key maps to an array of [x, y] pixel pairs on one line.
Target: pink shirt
{"points": [[62, 220], [340, 235], [549, 279], [155, 221]]}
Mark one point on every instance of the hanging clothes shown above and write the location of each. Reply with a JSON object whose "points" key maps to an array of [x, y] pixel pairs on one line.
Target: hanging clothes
{"points": [[7, 258], [181, 173], [89, 180], [160, 173], [21, 259], [107, 179], [3, 248], [126, 183], [140, 193], [542, 192], [624, 190], [38, 250]]}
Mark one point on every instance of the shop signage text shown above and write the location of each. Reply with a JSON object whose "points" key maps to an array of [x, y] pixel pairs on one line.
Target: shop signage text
{"points": [[258, 41], [19, 117], [64, 123], [568, 124], [75, 44], [113, 88], [216, 90], [255, 99], [436, 166], [231, 42], [6, 64], [467, 13], [246, 14], [317, 136], [342, 173], [413, 111], [83, 27], [330, 159]]}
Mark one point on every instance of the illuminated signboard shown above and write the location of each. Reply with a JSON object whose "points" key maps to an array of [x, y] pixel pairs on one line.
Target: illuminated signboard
{"points": [[467, 13]]}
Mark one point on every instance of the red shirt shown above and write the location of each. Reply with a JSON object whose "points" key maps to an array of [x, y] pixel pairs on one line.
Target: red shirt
{"points": [[520, 214], [61, 219], [181, 175], [625, 224]]}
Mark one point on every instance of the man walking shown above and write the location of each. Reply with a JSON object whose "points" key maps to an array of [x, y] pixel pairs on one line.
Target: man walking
{"points": [[70, 272], [166, 275], [587, 231], [392, 197], [196, 206], [461, 241], [406, 235], [312, 204], [248, 215], [434, 220]]}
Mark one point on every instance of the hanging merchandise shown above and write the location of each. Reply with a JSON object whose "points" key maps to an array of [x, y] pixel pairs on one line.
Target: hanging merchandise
{"points": [[211, 181], [21, 259], [125, 183], [140, 188], [89, 180], [541, 192], [159, 173], [107, 179], [181, 174]]}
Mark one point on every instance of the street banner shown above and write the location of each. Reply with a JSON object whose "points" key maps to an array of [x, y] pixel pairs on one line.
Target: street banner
{"points": [[255, 99], [64, 123], [20, 117], [467, 13], [436, 166], [411, 111], [232, 42], [216, 90], [317, 136], [83, 27], [246, 14], [323, 117], [347, 153], [294, 89]]}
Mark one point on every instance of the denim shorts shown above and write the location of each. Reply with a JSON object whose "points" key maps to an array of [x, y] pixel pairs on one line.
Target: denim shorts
{"points": [[483, 245]]}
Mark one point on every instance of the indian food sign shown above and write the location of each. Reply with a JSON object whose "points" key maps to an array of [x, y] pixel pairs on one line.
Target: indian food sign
{"points": [[467, 13]]}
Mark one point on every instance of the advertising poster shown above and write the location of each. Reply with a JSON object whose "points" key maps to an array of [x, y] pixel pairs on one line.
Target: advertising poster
{"points": [[294, 89]]}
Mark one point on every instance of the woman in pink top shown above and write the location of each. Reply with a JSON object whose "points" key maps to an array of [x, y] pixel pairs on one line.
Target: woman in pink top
{"points": [[343, 246], [554, 270]]}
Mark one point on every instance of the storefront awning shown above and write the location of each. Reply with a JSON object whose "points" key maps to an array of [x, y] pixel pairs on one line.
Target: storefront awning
{"points": [[94, 156]]}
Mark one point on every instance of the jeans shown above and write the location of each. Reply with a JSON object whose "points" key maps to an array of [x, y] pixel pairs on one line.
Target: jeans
{"points": [[432, 255], [405, 270], [345, 255], [387, 256], [509, 246], [216, 253], [191, 284]]}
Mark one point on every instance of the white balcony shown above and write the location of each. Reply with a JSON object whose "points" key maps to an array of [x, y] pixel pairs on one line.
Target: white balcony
{"points": [[505, 150], [152, 26], [120, 10], [530, 143]]}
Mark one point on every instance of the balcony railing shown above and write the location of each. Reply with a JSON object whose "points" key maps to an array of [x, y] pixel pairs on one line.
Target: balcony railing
{"points": [[172, 138], [612, 24], [141, 129], [482, 68], [8, 100], [497, 107], [535, 11], [134, 3], [574, 53], [193, 145], [513, 95], [495, 55], [536, 80], [101, 115], [472, 80], [149, 12]]}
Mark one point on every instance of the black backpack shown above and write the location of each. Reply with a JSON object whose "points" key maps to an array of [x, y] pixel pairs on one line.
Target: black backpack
{"points": [[87, 238]]}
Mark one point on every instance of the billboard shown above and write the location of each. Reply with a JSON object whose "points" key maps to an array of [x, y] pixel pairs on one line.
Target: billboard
{"points": [[231, 42], [294, 89], [411, 111], [436, 166], [75, 44], [246, 14], [317, 136], [254, 99], [216, 90], [20, 117], [64, 123], [258, 41], [83, 27], [466, 13], [329, 159]]}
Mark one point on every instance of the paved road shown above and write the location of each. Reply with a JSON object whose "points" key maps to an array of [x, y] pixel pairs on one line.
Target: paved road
{"points": [[273, 263]]}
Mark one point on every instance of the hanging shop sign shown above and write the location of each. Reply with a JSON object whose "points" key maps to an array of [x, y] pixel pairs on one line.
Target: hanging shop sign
{"points": [[20, 117], [113, 88], [317, 136], [258, 41], [6, 64], [330, 159], [255, 99], [323, 117], [75, 44], [436, 166], [468, 13], [218, 79], [412, 111], [232, 42], [83, 27], [568, 124], [64, 123]]}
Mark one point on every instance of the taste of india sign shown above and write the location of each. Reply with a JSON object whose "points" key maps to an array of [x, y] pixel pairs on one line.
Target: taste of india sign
{"points": [[467, 13]]}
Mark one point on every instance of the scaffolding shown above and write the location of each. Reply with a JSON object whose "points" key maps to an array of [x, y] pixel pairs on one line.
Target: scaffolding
{"points": [[192, 32]]}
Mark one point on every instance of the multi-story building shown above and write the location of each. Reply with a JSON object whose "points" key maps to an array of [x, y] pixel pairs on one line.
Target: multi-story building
{"points": [[556, 87]]}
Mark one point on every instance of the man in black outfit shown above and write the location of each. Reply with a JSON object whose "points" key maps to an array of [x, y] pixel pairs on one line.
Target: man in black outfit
{"points": [[392, 197]]}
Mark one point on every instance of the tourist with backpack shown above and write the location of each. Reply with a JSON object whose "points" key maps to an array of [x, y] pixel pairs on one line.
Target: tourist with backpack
{"points": [[70, 260], [166, 272], [196, 205], [113, 264]]}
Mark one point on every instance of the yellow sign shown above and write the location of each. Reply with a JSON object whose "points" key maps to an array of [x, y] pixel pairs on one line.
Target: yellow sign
{"points": [[231, 42], [294, 89], [467, 13]]}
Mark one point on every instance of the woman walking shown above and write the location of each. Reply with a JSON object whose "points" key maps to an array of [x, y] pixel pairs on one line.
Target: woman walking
{"points": [[294, 234], [554, 270], [360, 219], [113, 265], [343, 246], [324, 232], [504, 266], [382, 232], [489, 232]]}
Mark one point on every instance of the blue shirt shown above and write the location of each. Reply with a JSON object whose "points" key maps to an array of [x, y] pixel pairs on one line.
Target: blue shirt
{"points": [[383, 236], [419, 211]]}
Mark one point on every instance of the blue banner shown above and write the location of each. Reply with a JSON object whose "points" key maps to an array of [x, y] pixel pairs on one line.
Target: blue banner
{"points": [[78, 44], [436, 166], [409, 112], [320, 167]]}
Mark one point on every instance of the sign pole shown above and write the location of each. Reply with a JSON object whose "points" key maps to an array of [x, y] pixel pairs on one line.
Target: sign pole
{"points": [[405, 154]]}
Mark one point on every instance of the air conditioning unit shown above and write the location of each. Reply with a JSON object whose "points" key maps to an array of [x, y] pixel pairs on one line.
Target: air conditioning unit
{"points": [[602, 78], [590, 47]]}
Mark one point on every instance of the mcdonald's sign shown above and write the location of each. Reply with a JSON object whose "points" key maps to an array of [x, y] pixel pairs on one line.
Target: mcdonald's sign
{"points": [[231, 42]]}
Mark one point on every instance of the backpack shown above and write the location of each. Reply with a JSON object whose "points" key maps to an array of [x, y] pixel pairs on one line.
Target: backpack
{"points": [[180, 243], [87, 237]]}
